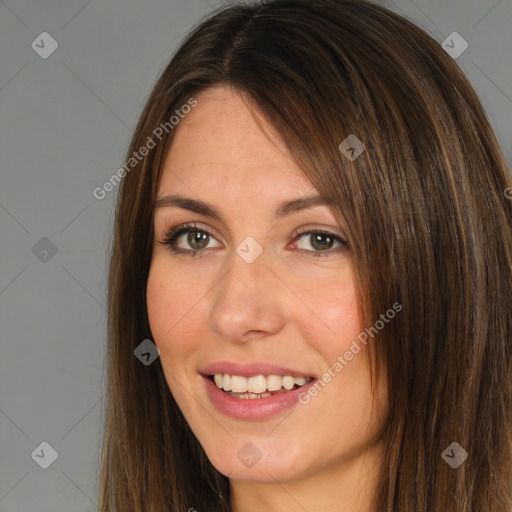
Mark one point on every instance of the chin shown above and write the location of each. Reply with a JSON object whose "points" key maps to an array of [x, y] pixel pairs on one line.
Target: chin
{"points": [[260, 460]]}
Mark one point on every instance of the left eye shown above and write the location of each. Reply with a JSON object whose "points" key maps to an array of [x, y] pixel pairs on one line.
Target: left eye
{"points": [[319, 241]]}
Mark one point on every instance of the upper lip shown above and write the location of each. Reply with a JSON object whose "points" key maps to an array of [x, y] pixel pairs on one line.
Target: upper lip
{"points": [[251, 369]]}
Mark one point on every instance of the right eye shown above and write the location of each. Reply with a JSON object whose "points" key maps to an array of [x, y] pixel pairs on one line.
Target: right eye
{"points": [[196, 239]]}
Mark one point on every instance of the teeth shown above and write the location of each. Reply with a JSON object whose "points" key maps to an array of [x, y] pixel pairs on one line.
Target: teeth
{"points": [[274, 382], [238, 384], [300, 381], [249, 395], [288, 382], [256, 385]]}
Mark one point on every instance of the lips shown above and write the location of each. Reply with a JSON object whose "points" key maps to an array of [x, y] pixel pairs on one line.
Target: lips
{"points": [[252, 409]]}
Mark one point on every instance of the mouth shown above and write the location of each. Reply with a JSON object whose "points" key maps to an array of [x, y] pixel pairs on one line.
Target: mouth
{"points": [[240, 401], [254, 391], [258, 386]]}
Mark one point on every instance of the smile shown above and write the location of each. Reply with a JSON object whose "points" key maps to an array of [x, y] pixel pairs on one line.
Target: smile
{"points": [[249, 406]]}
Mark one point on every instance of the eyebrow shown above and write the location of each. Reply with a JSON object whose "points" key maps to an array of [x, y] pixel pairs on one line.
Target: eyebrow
{"points": [[283, 209]]}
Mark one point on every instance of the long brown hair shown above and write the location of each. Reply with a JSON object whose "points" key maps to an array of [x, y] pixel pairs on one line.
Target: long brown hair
{"points": [[428, 225]]}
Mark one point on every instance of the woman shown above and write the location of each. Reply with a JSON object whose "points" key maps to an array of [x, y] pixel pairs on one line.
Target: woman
{"points": [[311, 276]]}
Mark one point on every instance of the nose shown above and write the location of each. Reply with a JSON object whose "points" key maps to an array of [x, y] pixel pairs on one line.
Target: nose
{"points": [[250, 301]]}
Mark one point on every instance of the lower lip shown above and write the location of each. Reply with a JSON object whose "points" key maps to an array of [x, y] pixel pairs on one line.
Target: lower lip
{"points": [[252, 408]]}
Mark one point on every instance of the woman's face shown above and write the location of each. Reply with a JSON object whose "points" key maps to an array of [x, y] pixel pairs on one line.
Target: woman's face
{"points": [[256, 291]]}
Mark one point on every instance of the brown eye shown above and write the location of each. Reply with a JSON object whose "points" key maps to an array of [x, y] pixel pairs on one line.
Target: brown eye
{"points": [[197, 239], [319, 242]]}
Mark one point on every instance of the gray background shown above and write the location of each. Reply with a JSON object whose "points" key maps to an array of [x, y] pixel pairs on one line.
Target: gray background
{"points": [[65, 125]]}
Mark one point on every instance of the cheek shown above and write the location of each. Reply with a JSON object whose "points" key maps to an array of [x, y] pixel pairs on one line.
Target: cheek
{"points": [[334, 335], [173, 310], [170, 303], [342, 315], [158, 295], [337, 310]]}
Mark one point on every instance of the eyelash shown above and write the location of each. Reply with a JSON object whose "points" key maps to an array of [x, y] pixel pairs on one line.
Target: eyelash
{"points": [[174, 233]]}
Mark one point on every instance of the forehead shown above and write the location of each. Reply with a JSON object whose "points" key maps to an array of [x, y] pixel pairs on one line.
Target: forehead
{"points": [[220, 142]]}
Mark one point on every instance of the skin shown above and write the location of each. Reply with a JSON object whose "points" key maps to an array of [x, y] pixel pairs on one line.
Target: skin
{"points": [[286, 307]]}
